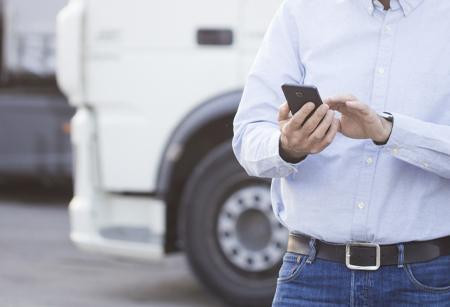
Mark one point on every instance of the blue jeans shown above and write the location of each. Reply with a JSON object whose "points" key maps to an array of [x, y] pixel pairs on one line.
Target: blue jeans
{"points": [[305, 281]]}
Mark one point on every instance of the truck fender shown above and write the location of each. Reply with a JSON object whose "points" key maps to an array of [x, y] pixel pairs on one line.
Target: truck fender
{"points": [[208, 111]]}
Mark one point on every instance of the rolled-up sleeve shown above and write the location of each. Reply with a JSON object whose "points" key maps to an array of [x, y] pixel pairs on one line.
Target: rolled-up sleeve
{"points": [[256, 129], [423, 144]]}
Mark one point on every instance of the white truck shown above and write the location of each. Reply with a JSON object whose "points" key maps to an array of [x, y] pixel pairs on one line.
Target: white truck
{"points": [[156, 85]]}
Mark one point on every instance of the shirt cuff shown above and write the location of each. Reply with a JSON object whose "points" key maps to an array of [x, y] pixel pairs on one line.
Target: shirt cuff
{"points": [[279, 154], [400, 132]]}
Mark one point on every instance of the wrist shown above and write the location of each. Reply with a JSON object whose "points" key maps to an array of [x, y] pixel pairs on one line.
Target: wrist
{"points": [[387, 122], [288, 156]]}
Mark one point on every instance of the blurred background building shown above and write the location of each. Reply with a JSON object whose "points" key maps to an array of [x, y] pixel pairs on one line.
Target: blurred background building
{"points": [[34, 115]]}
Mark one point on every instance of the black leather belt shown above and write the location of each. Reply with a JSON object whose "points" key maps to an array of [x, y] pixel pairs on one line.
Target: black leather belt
{"points": [[370, 256]]}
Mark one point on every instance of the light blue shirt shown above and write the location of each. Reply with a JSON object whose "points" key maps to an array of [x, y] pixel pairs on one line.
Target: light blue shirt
{"points": [[396, 61]]}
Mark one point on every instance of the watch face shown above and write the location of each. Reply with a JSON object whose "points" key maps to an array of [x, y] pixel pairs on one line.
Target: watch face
{"points": [[387, 116]]}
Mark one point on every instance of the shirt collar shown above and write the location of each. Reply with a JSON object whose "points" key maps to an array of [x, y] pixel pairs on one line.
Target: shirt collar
{"points": [[407, 6]]}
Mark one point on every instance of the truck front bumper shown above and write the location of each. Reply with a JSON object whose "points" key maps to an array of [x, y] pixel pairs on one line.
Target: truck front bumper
{"points": [[122, 226]]}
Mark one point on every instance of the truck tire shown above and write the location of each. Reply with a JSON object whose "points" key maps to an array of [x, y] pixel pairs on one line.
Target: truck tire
{"points": [[233, 241]]}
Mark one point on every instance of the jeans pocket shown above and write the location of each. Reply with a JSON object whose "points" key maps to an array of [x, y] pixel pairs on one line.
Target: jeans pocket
{"points": [[432, 276], [291, 267]]}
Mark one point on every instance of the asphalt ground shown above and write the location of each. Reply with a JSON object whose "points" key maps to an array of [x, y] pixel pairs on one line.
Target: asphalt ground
{"points": [[39, 266]]}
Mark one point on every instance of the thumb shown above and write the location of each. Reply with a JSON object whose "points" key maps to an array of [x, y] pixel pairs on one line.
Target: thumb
{"points": [[283, 113], [338, 122]]}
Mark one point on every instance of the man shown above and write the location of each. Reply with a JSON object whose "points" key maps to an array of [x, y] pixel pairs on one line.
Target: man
{"points": [[351, 174]]}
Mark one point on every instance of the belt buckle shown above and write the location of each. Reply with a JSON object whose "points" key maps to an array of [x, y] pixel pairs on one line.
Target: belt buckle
{"points": [[375, 267]]}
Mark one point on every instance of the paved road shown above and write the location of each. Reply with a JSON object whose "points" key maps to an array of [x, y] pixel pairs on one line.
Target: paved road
{"points": [[40, 268]]}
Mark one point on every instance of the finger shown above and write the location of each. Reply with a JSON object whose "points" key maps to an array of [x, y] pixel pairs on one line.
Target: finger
{"points": [[283, 113], [298, 118], [311, 124], [349, 107], [341, 98], [336, 105], [331, 134], [358, 106], [323, 127], [338, 102]]}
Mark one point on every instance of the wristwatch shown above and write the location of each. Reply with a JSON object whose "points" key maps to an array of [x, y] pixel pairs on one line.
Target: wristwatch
{"points": [[387, 116], [390, 118]]}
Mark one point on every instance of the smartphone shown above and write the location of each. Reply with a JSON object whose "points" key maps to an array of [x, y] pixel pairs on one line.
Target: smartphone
{"points": [[298, 95]]}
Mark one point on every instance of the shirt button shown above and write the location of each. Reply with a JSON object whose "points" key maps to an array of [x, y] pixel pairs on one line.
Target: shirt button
{"points": [[395, 150], [381, 70], [425, 164], [361, 205], [369, 161], [387, 29]]}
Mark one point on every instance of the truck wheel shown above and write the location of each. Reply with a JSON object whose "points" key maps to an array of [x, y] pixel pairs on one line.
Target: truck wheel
{"points": [[232, 239]]}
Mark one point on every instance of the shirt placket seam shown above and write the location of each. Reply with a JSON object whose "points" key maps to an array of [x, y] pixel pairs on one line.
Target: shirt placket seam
{"points": [[362, 202]]}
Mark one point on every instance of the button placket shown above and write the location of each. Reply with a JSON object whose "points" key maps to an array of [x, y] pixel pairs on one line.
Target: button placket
{"points": [[378, 100], [383, 61], [361, 201]]}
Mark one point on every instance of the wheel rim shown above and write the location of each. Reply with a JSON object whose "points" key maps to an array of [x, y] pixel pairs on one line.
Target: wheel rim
{"points": [[248, 232]]}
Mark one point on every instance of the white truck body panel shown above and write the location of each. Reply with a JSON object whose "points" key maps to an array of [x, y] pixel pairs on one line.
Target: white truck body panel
{"points": [[100, 220], [145, 72], [70, 66]]}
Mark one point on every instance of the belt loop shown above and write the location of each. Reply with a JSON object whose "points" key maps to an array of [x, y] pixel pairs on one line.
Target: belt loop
{"points": [[401, 255], [312, 251]]}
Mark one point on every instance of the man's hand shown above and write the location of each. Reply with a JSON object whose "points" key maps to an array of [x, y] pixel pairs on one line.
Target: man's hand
{"points": [[299, 137], [358, 120]]}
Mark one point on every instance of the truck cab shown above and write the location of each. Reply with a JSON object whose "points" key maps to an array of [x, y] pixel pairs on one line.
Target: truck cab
{"points": [[156, 85]]}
